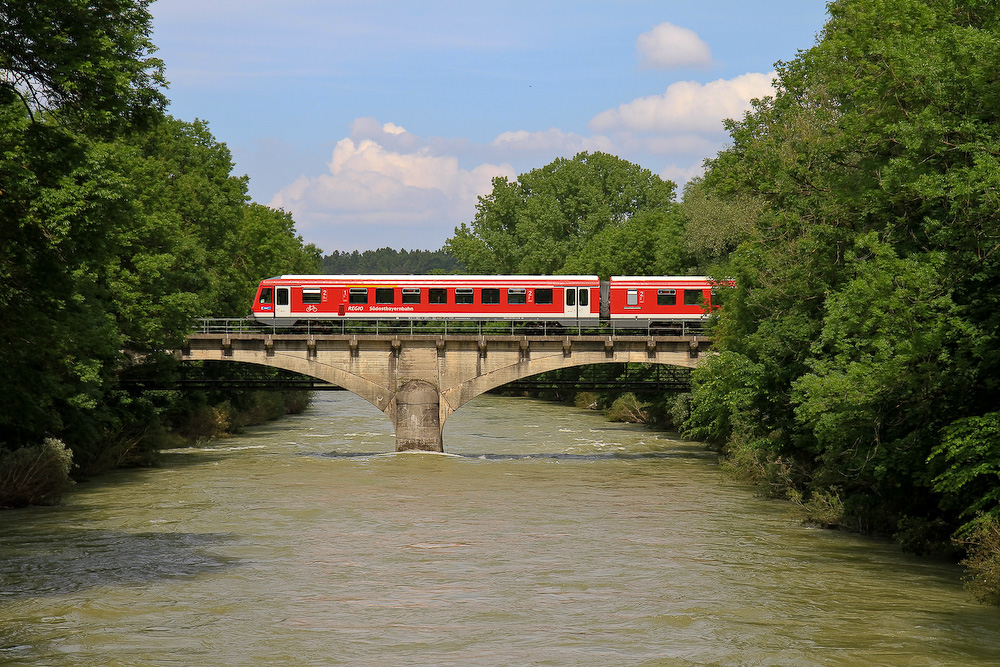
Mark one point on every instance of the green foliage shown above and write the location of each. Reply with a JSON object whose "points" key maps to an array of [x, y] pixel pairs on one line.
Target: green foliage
{"points": [[61, 198], [970, 450], [648, 244], [594, 213], [717, 224], [389, 261], [586, 400], [892, 361], [87, 62], [723, 394], [264, 244], [197, 246], [857, 211], [204, 415], [678, 409], [117, 226]]}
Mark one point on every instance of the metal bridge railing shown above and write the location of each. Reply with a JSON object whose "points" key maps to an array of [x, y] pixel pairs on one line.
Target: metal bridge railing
{"points": [[242, 325]]}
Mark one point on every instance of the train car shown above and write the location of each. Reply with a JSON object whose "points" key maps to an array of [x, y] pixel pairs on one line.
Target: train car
{"points": [[285, 300], [627, 301], [641, 300]]}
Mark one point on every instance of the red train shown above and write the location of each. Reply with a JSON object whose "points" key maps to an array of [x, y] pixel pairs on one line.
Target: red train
{"points": [[570, 300]]}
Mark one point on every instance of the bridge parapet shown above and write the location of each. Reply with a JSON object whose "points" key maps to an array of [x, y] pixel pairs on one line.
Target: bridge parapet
{"points": [[401, 373], [242, 325]]}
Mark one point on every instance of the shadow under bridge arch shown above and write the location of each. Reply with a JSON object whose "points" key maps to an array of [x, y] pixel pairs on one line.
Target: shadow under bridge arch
{"points": [[613, 377]]}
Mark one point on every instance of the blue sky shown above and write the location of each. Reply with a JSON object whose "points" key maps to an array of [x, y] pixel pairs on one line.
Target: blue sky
{"points": [[379, 123]]}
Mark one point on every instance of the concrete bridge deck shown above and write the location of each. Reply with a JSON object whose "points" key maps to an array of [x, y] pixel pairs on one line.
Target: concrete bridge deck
{"points": [[419, 380]]}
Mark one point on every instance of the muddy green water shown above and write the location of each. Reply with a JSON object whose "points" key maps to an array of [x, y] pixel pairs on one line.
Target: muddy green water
{"points": [[545, 537]]}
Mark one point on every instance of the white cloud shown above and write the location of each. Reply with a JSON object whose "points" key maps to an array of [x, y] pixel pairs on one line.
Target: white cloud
{"points": [[387, 186], [681, 175], [373, 195], [391, 136], [668, 46], [687, 106], [392, 128], [551, 140]]}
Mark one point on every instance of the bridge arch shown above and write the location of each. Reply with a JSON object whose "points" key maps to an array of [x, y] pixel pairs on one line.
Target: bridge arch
{"points": [[485, 383], [419, 381]]}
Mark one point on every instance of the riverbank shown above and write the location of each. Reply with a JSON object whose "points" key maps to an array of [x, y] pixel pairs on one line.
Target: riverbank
{"points": [[41, 474], [977, 550]]}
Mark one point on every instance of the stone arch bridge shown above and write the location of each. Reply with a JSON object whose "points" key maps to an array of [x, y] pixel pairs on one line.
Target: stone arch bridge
{"points": [[418, 379]]}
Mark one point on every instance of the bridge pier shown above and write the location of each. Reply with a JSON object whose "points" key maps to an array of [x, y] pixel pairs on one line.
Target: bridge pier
{"points": [[418, 381], [416, 414]]}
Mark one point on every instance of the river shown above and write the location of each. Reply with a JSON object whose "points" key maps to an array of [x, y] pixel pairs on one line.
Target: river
{"points": [[545, 536]]}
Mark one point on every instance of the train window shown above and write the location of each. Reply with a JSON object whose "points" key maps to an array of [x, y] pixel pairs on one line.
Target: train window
{"points": [[385, 295], [266, 295], [310, 295], [491, 295], [411, 295], [437, 295], [463, 295], [666, 297], [543, 296], [570, 296], [632, 297], [282, 297], [585, 297], [517, 295], [359, 295], [693, 297]]}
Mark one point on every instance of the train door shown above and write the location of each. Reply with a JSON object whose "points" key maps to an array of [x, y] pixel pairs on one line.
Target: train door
{"points": [[282, 302], [577, 302]]}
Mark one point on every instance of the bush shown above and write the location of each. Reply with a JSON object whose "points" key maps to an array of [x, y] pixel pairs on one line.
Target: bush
{"points": [[679, 410], [296, 402], [983, 561], [748, 460], [628, 408], [35, 475], [218, 418], [260, 407], [821, 508], [201, 422]]}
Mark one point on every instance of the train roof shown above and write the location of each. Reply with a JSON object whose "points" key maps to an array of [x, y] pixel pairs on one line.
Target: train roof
{"points": [[673, 279], [457, 276], [443, 276]]}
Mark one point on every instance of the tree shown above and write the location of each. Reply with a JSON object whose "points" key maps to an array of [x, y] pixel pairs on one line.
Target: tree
{"points": [[88, 62], [265, 244], [716, 224], [865, 302], [117, 226], [61, 200], [196, 246], [573, 215], [72, 75], [389, 261]]}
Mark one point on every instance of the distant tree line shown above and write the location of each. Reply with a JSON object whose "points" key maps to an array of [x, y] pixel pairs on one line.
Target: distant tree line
{"points": [[389, 261]]}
